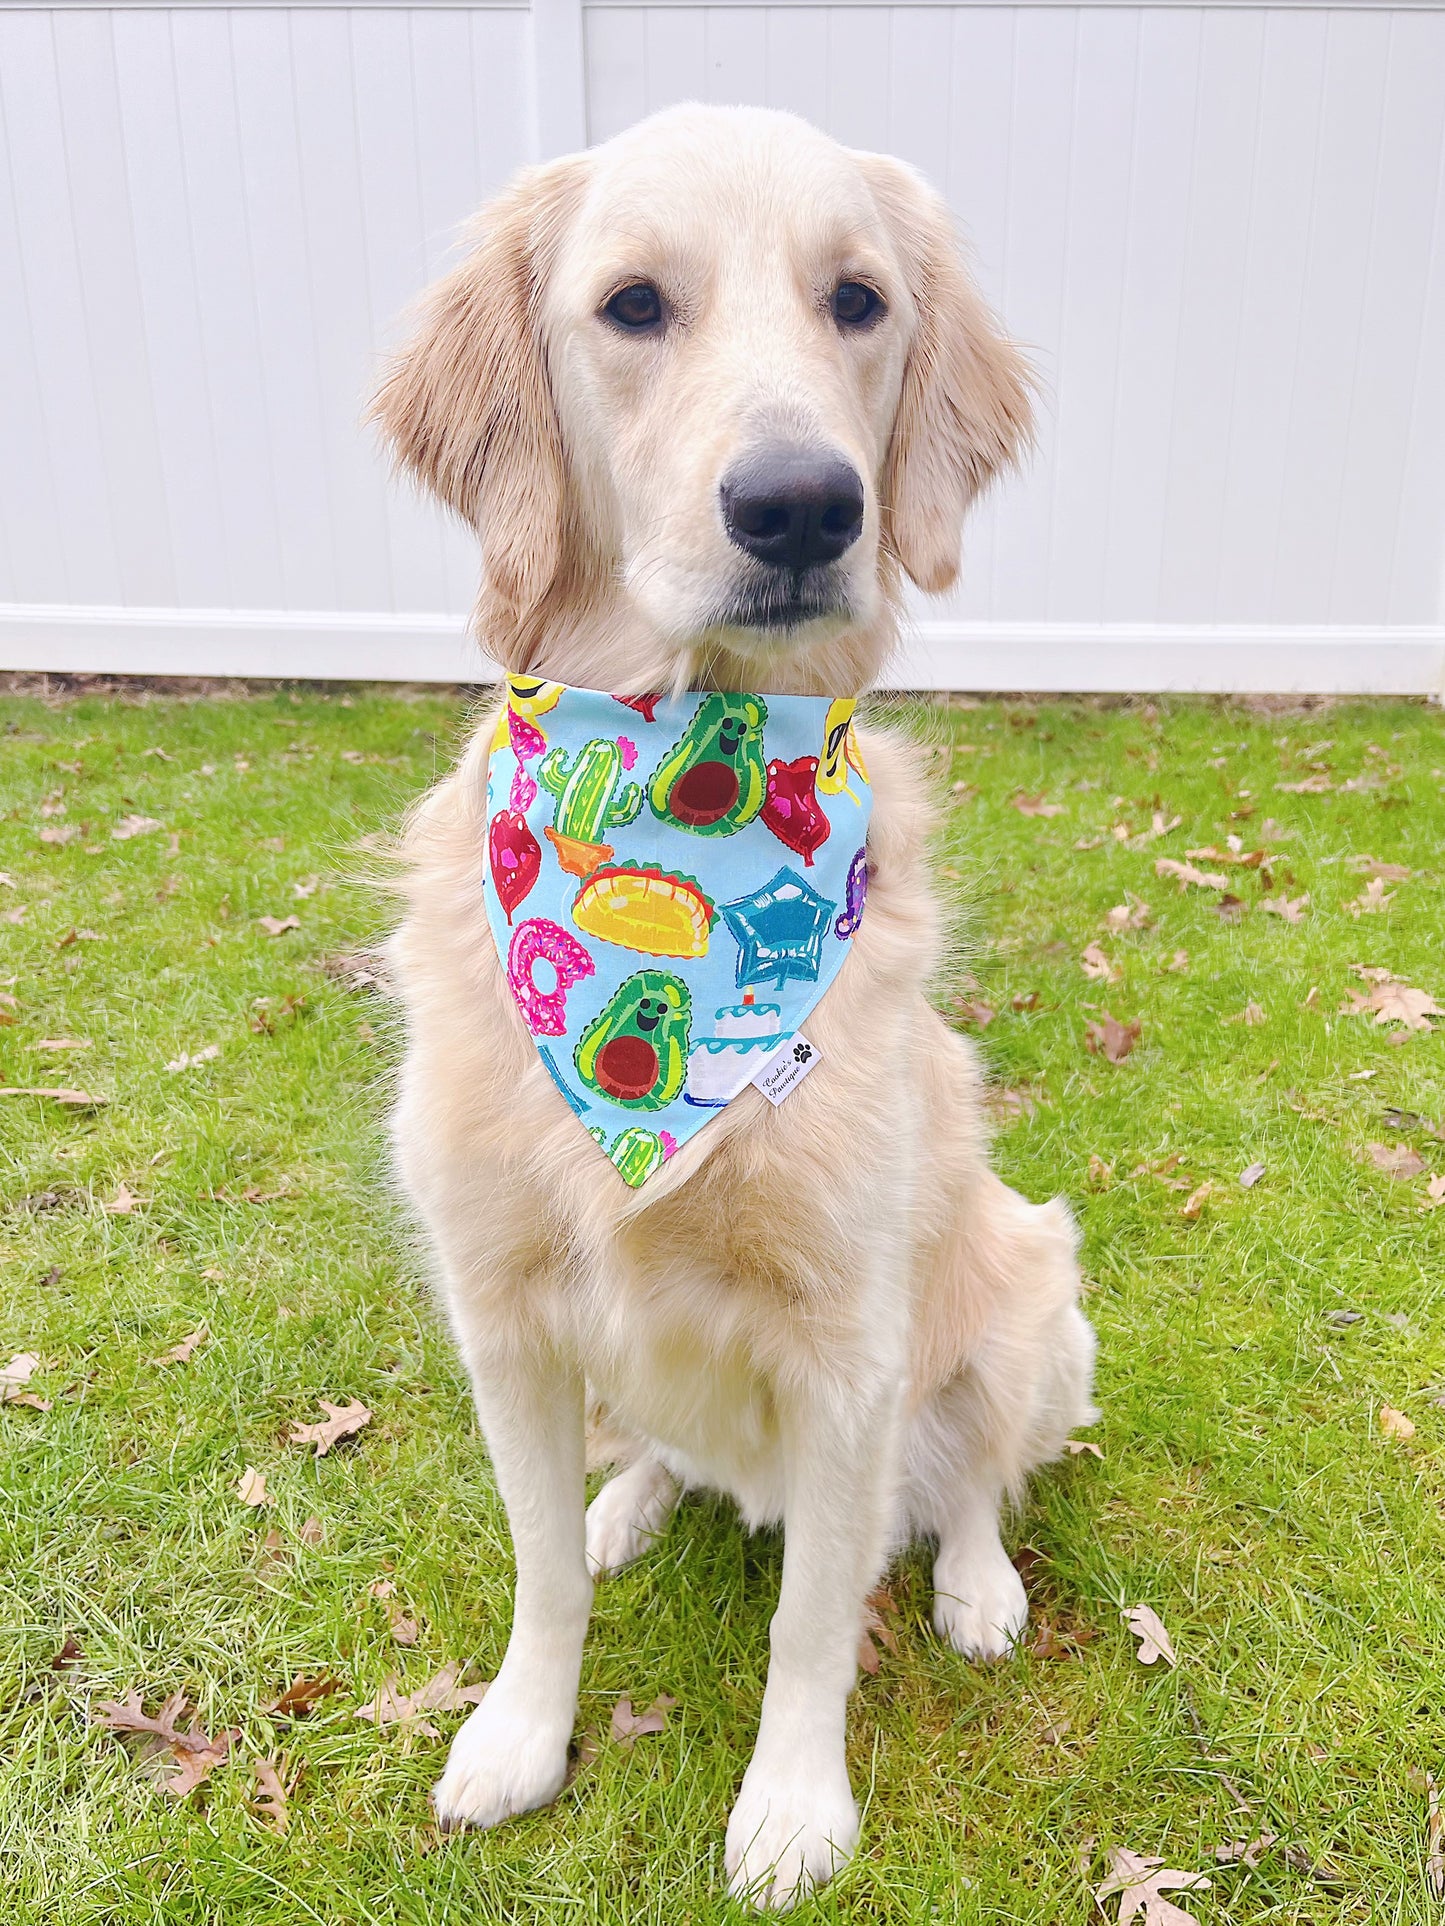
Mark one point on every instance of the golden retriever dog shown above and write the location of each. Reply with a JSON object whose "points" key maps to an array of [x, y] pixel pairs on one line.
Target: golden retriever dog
{"points": [[707, 394]]}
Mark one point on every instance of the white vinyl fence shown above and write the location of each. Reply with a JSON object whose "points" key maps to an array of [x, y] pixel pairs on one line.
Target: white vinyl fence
{"points": [[1219, 226]]}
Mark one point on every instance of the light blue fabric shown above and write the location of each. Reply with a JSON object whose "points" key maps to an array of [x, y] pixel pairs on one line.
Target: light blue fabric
{"points": [[672, 884]]}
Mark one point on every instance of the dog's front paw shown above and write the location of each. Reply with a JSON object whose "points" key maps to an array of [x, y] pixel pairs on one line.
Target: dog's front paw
{"points": [[506, 1759], [789, 1832], [628, 1516], [980, 1606]]}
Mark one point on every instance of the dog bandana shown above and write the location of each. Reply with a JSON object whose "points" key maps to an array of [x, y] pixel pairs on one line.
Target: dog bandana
{"points": [[672, 883]]}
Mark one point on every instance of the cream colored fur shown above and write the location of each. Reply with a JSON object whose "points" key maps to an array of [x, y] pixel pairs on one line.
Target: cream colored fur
{"points": [[833, 1311]]}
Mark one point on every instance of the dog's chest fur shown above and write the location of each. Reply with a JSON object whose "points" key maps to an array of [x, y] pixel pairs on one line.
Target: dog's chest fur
{"points": [[775, 1239]]}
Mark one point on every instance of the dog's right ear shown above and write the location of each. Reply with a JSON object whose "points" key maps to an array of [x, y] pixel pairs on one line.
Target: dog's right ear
{"points": [[467, 407]]}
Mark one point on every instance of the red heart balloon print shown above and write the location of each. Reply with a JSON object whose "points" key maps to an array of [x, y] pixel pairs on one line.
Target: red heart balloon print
{"points": [[791, 810], [516, 858]]}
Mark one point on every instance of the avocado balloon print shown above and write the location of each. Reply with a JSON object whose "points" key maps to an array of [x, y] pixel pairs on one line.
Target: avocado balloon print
{"points": [[672, 882], [713, 781]]}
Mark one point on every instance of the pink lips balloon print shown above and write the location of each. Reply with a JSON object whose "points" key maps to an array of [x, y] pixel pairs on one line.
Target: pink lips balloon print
{"points": [[516, 858], [791, 810]]}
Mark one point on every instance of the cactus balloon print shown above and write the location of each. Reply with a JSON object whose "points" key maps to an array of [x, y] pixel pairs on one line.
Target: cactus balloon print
{"points": [[591, 799]]}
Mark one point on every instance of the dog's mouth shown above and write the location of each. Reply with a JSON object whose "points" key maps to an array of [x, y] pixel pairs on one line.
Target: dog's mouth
{"points": [[784, 599]]}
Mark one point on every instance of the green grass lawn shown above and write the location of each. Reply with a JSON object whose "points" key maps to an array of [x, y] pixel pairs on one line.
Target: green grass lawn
{"points": [[1250, 1339]]}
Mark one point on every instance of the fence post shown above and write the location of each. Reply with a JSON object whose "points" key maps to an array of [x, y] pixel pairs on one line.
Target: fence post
{"points": [[559, 82]]}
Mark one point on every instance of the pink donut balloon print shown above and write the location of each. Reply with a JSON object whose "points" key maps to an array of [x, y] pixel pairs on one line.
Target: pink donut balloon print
{"points": [[540, 941]]}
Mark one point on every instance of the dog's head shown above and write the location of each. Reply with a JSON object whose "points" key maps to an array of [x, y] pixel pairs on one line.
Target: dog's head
{"points": [[721, 378]]}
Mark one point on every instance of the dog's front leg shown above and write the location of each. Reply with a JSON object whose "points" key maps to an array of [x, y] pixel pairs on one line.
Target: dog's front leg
{"points": [[795, 1822], [511, 1754]]}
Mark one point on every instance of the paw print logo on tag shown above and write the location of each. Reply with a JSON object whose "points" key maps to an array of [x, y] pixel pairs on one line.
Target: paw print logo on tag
{"points": [[802, 1052]]}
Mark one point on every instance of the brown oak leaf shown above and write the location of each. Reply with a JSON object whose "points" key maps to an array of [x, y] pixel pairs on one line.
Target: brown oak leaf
{"points": [[181, 1353], [269, 1799], [1291, 911], [1141, 1884], [278, 925], [196, 1754], [303, 1693], [1111, 1039], [1188, 876], [1095, 964], [628, 1726], [1154, 1642], [440, 1694], [1396, 1160], [1036, 806], [341, 1421]]}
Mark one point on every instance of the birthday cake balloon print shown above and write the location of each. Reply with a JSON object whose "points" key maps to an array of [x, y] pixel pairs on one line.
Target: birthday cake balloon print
{"points": [[672, 883], [745, 1037]]}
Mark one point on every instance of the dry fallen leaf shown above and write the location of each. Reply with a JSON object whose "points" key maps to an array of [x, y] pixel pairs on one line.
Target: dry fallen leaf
{"points": [[1141, 1884], [1372, 899], [1144, 1622], [189, 1062], [1395, 1424], [1252, 1015], [72, 1099], [1195, 1201], [880, 1609], [1435, 1833], [1390, 1000], [181, 1353], [268, 1801], [439, 1694], [1316, 785], [971, 1010], [341, 1421], [15, 1376], [628, 1725], [1101, 1174], [1178, 963], [252, 1488], [1188, 876], [304, 1692], [196, 1754], [129, 826], [1095, 964], [1036, 806], [123, 1202], [60, 833], [312, 1531], [1130, 915], [65, 1043], [278, 925], [1396, 1160], [1111, 1039], [1435, 1191], [1386, 872], [1292, 912], [1246, 1852], [1250, 1176], [1076, 1447]]}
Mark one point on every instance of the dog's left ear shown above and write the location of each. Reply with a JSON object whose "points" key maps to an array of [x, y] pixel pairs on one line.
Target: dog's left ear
{"points": [[964, 410]]}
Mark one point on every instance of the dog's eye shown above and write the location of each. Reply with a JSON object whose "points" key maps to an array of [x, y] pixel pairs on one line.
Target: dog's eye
{"points": [[856, 305], [636, 309]]}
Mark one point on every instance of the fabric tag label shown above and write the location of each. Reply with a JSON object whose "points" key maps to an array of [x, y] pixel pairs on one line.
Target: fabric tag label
{"points": [[785, 1071]]}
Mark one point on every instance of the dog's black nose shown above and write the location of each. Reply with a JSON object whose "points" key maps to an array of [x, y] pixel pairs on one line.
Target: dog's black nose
{"points": [[793, 507]]}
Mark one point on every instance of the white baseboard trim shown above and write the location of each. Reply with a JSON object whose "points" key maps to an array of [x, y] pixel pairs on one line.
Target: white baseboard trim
{"points": [[1087, 658]]}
